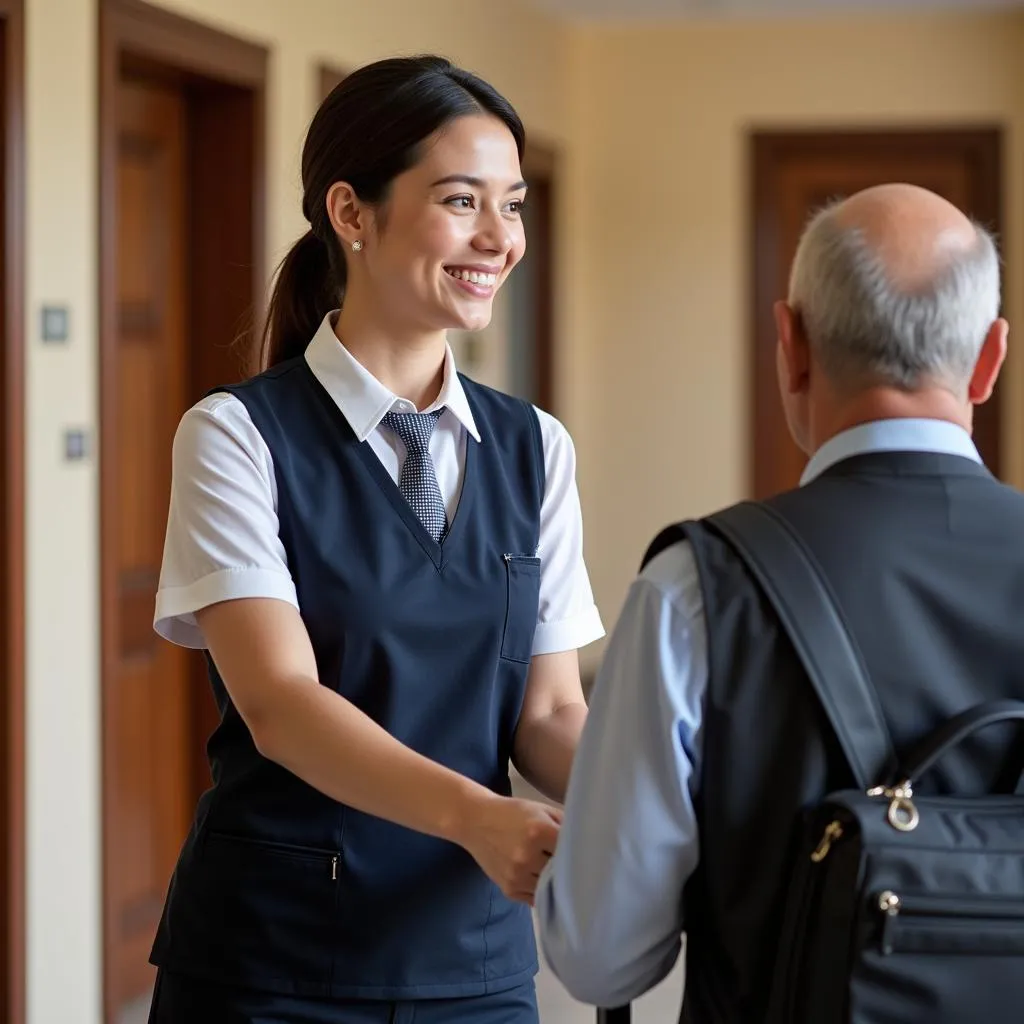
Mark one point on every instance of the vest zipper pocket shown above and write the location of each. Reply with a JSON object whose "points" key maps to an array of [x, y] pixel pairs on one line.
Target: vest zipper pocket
{"points": [[972, 925], [310, 854]]}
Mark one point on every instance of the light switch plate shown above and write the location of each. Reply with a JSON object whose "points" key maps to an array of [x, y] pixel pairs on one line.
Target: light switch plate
{"points": [[55, 323], [76, 444]]}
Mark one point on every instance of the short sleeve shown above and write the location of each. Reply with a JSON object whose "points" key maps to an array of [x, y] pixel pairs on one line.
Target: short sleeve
{"points": [[222, 540], [568, 618]]}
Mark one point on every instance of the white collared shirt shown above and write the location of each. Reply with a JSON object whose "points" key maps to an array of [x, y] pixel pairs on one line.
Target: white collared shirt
{"points": [[222, 539]]}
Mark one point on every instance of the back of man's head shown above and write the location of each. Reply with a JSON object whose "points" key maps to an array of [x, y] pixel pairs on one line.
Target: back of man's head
{"points": [[895, 289]]}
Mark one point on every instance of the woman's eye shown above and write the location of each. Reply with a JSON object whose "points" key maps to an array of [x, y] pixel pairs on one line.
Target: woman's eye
{"points": [[516, 206], [461, 202]]}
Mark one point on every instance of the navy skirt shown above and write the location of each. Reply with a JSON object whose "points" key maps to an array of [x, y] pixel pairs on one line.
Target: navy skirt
{"points": [[178, 999]]}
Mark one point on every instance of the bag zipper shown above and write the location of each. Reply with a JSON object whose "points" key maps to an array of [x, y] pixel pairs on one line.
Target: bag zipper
{"points": [[893, 905], [833, 831]]}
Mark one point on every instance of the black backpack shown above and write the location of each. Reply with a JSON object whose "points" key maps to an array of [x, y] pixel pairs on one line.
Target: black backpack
{"points": [[901, 909]]}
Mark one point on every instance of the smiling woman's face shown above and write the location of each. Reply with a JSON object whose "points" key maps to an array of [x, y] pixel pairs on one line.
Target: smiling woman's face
{"points": [[449, 231]]}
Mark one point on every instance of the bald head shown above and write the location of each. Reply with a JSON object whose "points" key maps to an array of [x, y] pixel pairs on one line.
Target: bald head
{"points": [[895, 286], [914, 233]]}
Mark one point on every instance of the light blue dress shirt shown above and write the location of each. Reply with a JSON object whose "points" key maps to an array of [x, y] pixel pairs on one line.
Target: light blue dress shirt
{"points": [[609, 902]]}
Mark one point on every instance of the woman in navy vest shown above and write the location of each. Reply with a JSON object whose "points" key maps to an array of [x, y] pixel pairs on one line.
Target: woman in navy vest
{"points": [[383, 562]]}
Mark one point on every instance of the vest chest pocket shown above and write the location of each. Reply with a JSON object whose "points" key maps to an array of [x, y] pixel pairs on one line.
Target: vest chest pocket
{"points": [[523, 576]]}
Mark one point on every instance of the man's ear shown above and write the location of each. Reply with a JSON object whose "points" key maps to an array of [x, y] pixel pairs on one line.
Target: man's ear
{"points": [[794, 350], [990, 362]]}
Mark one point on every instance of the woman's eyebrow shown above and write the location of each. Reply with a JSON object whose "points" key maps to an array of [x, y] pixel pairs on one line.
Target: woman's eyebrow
{"points": [[468, 179]]}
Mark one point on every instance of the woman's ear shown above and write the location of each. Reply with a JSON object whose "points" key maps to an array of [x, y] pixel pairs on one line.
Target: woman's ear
{"points": [[348, 215]]}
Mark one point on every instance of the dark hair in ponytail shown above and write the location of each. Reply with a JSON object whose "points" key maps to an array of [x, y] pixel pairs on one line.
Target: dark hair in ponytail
{"points": [[366, 132]]}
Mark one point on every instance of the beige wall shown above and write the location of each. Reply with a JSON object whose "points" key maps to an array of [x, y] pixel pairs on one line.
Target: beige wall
{"points": [[661, 245], [62, 732], [652, 299], [63, 678]]}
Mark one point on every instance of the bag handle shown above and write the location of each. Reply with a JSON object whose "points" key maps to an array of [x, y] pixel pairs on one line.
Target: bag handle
{"points": [[789, 575], [956, 730]]}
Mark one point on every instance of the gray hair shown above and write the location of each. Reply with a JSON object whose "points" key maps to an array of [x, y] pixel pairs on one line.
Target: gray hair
{"points": [[863, 329]]}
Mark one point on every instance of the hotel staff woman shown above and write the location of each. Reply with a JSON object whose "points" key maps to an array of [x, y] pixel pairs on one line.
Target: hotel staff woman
{"points": [[383, 562]]}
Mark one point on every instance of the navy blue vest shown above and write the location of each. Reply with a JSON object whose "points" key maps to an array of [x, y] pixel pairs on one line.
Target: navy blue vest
{"points": [[282, 888]]}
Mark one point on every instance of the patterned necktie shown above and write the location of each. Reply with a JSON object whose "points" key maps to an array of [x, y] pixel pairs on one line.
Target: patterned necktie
{"points": [[418, 481]]}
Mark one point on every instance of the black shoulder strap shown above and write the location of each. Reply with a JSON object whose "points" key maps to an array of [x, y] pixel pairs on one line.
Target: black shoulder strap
{"points": [[669, 536], [790, 577]]}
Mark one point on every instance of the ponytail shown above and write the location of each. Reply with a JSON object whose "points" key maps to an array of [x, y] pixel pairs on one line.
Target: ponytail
{"points": [[309, 284]]}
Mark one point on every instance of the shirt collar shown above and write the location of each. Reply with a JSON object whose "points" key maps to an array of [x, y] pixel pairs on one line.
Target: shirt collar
{"points": [[902, 435], [363, 400]]}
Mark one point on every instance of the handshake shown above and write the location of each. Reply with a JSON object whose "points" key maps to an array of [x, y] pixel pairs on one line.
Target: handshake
{"points": [[511, 839]]}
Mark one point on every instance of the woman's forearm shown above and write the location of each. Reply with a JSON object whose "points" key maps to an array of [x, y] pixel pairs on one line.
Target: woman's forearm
{"points": [[545, 747], [334, 747]]}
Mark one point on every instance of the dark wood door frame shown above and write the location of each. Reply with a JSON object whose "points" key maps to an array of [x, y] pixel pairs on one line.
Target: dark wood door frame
{"points": [[327, 77], [223, 75], [541, 171], [540, 168], [12, 518], [981, 147]]}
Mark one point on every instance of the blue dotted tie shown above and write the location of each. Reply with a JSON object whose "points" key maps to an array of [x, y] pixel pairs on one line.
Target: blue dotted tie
{"points": [[418, 481]]}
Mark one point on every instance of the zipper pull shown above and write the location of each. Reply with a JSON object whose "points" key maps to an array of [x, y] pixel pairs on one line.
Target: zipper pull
{"points": [[889, 904], [334, 868], [833, 831], [902, 814]]}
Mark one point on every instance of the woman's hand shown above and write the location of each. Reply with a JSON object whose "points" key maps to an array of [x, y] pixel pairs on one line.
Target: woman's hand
{"points": [[512, 840]]}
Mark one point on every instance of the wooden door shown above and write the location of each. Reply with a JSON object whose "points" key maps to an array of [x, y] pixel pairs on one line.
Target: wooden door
{"points": [[150, 788], [182, 277], [182, 272], [795, 174], [535, 318]]}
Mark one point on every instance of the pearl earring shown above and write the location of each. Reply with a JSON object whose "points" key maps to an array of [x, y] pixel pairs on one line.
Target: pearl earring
{"points": [[357, 245]]}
